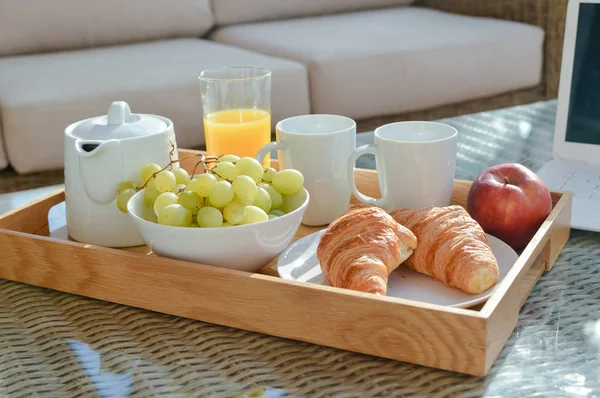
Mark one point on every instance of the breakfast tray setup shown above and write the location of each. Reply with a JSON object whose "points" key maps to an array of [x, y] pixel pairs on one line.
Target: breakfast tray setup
{"points": [[38, 252]]}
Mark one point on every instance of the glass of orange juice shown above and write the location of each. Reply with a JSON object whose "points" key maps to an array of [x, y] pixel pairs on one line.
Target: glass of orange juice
{"points": [[236, 104]]}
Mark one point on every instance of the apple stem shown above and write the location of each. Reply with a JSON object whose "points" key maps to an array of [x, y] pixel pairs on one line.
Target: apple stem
{"points": [[505, 180]]}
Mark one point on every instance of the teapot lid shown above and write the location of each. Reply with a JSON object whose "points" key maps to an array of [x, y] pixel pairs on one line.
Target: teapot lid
{"points": [[119, 123]]}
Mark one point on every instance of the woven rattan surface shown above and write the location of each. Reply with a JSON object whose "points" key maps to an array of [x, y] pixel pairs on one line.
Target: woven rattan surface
{"points": [[59, 345]]}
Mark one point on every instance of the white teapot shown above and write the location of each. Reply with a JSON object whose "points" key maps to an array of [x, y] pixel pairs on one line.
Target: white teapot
{"points": [[102, 152]]}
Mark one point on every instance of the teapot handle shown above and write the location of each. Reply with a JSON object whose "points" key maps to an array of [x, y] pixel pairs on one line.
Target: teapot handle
{"points": [[101, 168]]}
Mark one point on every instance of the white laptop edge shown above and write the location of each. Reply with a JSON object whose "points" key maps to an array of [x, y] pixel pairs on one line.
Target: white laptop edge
{"points": [[562, 148]]}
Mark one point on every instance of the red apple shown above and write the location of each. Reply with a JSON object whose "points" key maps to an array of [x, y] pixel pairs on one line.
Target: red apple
{"points": [[510, 202]]}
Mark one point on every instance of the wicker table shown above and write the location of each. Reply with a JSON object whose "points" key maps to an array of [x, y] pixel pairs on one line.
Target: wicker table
{"points": [[55, 344]]}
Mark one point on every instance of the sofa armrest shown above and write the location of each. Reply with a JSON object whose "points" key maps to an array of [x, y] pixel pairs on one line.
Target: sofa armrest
{"points": [[548, 14]]}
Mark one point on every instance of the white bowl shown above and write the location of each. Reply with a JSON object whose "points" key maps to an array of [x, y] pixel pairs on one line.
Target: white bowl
{"points": [[240, 247]]}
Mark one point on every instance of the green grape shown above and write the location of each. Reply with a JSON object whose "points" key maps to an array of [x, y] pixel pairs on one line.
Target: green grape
{"points": [[276, 198], [181, 176], [277, 212], [234, 213], [228, 158], [191, 201], [262, 200], [225, 170], [221, 194], [175, 215], [209, 217], [250, 167], [148, 170], [123, 198], [268, 174], [294, 201], [243, 202], [163, 200], [165, 181], [179, 188], [288, 181], [124, 186], [194, 224], [244, 188], [226, 224], [150, 193], [254, 214], [204, 185], [271, 216], [191, 186]]}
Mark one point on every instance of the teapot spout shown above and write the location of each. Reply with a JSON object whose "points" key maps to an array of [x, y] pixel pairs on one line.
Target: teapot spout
{"points": [[92, 147], [100, 167]]}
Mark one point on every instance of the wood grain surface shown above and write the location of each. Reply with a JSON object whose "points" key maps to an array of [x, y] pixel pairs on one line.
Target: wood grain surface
{"points": [[461, 340]]}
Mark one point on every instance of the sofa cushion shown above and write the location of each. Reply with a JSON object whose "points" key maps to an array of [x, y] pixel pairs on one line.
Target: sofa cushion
{"points": [[396, 60], [237, 11], [40, 95], [41, 25]]}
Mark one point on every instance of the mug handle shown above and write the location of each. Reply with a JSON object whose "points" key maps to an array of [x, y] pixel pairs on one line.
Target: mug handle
{"points": [[262, 152], [358, 152]]}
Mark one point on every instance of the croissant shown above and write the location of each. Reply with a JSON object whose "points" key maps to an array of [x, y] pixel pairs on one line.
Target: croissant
{"points": [[360, 248], [452, 247]]}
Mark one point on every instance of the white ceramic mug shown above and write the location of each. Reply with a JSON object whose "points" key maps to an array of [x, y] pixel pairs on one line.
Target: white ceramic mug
{"points": [[319, 147], [415, 165]]}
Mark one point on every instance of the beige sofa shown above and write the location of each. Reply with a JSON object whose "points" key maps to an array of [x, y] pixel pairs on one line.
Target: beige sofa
{"points": [[64, 60]]}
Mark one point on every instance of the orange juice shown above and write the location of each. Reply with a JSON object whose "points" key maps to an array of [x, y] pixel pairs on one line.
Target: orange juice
{"points": [[240, 132]]}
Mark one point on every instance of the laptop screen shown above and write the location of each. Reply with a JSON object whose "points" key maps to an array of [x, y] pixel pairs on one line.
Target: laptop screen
{"points": [[583, 122]]}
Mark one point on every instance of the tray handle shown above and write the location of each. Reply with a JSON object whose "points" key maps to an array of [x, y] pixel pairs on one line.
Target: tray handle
{"points": [[32, 218], [557, 227]]}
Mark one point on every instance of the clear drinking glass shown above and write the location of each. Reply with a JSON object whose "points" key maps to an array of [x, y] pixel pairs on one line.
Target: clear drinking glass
{"points": [[236, 104]]}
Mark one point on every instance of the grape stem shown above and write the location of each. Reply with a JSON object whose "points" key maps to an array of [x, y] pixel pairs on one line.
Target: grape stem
{"points": [[219, 175], [207, 170], [196, 166], [171, 154], [203, 159]]}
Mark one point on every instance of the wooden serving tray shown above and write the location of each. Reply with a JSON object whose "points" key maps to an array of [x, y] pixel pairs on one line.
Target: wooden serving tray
{"points": [[461, 340]]}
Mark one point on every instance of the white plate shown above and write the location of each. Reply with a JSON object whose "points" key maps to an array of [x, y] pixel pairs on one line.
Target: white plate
{"points": [[299, 262]]}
